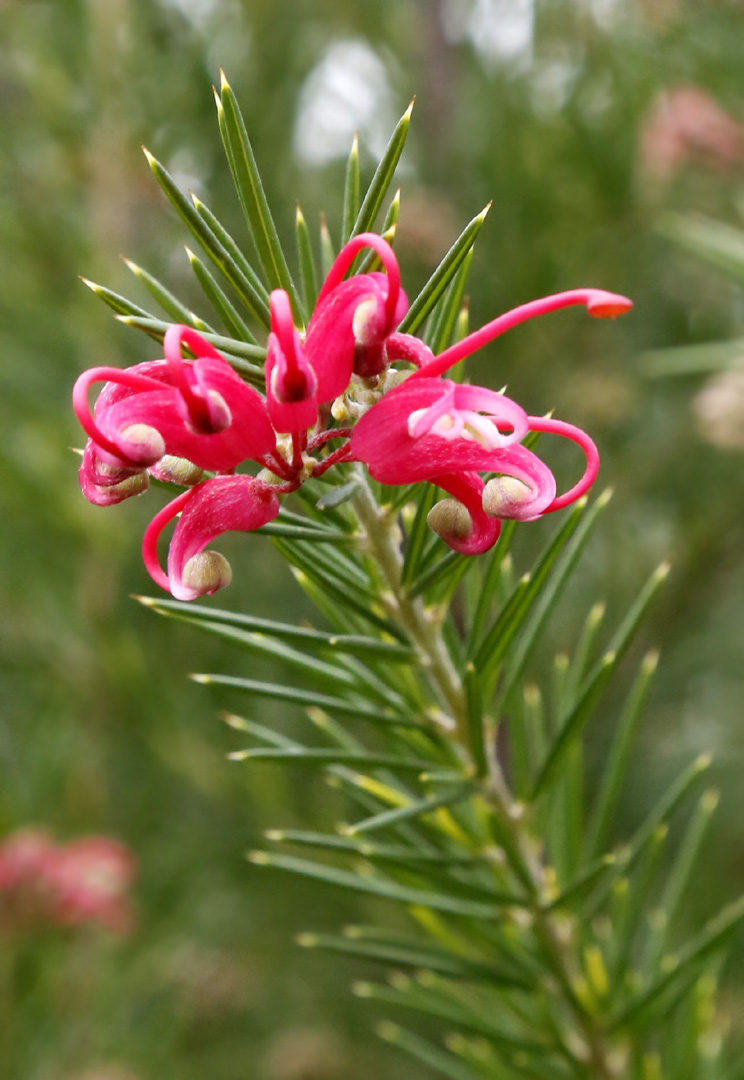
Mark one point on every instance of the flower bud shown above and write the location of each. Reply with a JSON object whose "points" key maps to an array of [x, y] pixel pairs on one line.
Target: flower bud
{"points": [[506, 497], [110, 494], [142, 443], [177, 470], [207, 572], [450, 520]]}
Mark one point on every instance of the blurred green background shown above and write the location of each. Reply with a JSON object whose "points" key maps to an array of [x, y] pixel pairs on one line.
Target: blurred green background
{"points": [[571, 116]]}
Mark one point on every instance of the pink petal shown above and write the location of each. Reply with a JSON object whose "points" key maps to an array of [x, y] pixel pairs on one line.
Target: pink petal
{"points": [[568, 431], [222, 504], [382, 439], [330, 342], [248, 435], [291, 383]]}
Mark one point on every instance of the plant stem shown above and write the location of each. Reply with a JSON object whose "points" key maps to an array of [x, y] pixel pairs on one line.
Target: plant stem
{"points": [[381, 542]]}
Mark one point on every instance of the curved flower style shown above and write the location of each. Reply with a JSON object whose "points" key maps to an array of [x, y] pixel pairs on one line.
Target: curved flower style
{"points": [[176, 418]]}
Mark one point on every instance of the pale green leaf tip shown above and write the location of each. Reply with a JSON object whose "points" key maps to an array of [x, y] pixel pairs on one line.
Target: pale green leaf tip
{"points": [[663, 570], [232, 720], [190, 255], [218, 100], [147, 601], [650, 662], [362, 989], [97, 289], [709, 800], [237, 755], [203, 679], [151, 160], [299, 216], [258, 858], [605, 497], [609, 658], [388, 1031], [224, 84], [703, 762], [275, 835], [306, 940], [484, 212]]}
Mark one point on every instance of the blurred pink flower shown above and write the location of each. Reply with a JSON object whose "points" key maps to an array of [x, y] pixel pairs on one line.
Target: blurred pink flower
{"points": [[85, 881], [686, 124]]}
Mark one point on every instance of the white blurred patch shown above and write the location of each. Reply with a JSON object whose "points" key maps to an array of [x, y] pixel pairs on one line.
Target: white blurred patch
{"points": [[198, 12], [347, 91], [500, 31], [551, 82], [606, 13]]}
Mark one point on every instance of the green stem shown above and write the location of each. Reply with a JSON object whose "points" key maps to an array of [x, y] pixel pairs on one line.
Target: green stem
{"points": [[423, 631]]}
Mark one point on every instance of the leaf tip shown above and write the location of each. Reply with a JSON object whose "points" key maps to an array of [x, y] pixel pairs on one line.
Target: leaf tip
{"points": [[650, 662], [306, 940], [199, 678], [258, 858], [709, 800], [388, 1031], [362, 989], [275, 835]]}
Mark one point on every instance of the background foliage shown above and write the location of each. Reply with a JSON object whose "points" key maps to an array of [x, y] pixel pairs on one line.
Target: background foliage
{"points": [[100, 731]]}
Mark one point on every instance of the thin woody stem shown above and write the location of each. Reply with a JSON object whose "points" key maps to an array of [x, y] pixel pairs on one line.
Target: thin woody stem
{"points": [[411, 612]]}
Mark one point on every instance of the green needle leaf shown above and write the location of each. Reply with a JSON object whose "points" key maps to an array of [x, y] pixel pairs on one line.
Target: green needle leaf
{"points": [[299, 696], [385, 889], [168, 302], [308, 272], [230, 246], [354, 645], [409, 995], [712, 938], [237, 353], [383, 176], [440, 1060], [218, 253], [574, 722], [420, 956], [117, 303], [399, 853], [311, 756], [251, 192], [415, 808], [477, 733], [618, 757], [351, 192], [220, 302]]}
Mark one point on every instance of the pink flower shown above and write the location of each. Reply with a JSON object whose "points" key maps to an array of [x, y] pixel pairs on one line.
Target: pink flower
{"points": [[175, 418], [87, 880], [433, 429]]}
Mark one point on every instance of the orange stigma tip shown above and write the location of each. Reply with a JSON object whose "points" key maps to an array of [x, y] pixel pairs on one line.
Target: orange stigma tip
{"points": [[608, 306]]}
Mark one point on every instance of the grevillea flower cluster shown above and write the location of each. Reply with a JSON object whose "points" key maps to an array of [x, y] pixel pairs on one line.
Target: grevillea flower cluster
{"points": [[350, 388], [84, 881]]}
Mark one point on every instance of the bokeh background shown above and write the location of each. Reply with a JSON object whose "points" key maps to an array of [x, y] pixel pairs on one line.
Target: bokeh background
{"points": [[586, 122]]}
